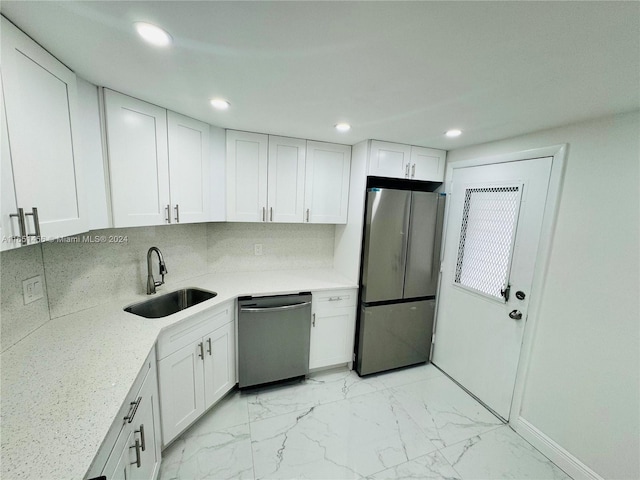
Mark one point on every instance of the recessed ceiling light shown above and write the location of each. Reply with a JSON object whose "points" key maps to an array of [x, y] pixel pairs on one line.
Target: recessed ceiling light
{"points": [[343, 127], [454, 132], [220, 104], [152, 34]]}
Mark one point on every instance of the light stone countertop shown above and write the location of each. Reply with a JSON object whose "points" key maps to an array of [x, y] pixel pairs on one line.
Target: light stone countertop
{"points": [[63, 385]]}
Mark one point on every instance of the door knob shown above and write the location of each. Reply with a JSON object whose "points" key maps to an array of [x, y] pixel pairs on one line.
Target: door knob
{"points": [[515, 314]]}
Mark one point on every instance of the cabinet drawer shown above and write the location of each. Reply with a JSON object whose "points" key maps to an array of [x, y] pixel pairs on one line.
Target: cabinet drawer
{"points": [[335, 298], [194, 328], [112, 435]]}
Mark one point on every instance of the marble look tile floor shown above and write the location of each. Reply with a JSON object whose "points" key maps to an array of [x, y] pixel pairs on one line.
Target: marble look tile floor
{"points": [[413, 423]]}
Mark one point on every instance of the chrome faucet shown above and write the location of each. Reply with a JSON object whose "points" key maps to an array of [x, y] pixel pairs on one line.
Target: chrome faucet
{"points": [[151, 283]]}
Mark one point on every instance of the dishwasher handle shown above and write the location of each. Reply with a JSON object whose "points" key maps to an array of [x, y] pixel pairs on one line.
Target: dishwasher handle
{"points": [[274, 309]]}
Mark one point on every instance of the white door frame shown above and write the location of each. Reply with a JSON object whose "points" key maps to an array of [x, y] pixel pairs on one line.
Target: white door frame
{"points": [[558, 152]]}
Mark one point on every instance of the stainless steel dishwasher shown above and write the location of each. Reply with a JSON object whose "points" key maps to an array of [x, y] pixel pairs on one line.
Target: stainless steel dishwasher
{"points": [[273, 338]]}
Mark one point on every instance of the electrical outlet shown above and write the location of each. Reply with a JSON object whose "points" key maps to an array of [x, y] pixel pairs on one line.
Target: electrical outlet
{"points": [[257, 249], [32, 289]]}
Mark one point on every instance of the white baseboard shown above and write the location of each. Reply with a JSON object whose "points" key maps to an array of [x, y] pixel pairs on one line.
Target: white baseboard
{"points": [[554, 452]]}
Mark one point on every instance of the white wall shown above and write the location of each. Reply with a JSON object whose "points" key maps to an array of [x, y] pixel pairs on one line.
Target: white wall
{"points": [[582, 389]]}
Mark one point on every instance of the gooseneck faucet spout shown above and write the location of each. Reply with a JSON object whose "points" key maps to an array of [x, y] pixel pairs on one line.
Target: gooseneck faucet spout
{"points": [[151, 283]]}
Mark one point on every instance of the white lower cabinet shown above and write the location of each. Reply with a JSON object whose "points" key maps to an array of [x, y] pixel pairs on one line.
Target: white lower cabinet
{"points": [[131, 449], [332, 328], [200, 372]]}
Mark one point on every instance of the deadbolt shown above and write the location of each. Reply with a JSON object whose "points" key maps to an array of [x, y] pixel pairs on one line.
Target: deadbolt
{"points": [[520, 295], [515, 314]]}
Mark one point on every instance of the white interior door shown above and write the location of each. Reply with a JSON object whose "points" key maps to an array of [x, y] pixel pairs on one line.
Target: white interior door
{"points": [[491, 243]]}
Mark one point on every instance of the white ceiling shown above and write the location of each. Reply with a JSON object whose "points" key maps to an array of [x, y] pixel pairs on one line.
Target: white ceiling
{"points": [[397, 71]]}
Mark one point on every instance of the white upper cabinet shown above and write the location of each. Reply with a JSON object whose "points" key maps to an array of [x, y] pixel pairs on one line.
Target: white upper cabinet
{"points": [[10, 231], [395, 160], [327, 182], [41, 111], [189, 164], [138, 161], [427, 164], [285, 179], [158, 164], [389, 159], [246, 176]]}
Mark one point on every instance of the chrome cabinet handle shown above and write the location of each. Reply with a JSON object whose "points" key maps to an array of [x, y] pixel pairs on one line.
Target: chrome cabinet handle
{"points": [[177, 207], [264, 214], [335, 299], [307, 215], [141, 432], [271, 214], [209, 345], [36, 223], [201, 347], [137, 447], [406, 171], [133, 408], [168, 219], [413, 170], [313, 323], [21, 226]]}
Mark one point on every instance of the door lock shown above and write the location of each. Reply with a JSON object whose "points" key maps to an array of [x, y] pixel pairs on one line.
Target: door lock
{"points": [[515, 314], [520, 295]]}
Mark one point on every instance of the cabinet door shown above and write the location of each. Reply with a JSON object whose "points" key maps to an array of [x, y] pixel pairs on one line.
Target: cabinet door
{"points": [[427, 164], [189, 164], [40, 102], [8, 225], [285, 189], [146, 429], [219, 363], [246, 176], [389, 159], [118, 465], [138, 161], [332, 335], [181, 385], [327, 182]]}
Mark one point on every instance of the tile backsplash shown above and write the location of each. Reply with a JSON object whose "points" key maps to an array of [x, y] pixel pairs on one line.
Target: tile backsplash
{"points": [[84, 274]]}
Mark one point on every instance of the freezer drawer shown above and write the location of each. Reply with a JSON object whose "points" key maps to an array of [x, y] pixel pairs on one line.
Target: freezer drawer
{"points": [[396, 335], [273, 338]]}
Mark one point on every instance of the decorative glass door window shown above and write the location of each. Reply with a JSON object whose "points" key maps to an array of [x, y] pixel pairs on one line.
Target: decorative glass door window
{"points": [[488, 231]]}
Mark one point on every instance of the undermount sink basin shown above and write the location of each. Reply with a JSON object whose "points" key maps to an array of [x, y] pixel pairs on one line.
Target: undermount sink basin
{"points": [[169, 303]]}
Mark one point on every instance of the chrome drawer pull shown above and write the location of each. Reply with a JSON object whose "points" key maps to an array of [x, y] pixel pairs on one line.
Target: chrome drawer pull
{"points": [[36, 223], [133, 408], [137, 447], [335, 299], [141, 432], [21, 226]]}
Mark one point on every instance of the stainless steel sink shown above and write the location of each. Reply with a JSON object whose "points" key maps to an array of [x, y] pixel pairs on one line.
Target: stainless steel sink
{"points": [[170, 303]]}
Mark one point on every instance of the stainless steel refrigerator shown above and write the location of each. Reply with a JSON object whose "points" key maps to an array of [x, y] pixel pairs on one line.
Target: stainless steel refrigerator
{"points": [[398, 280]]}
